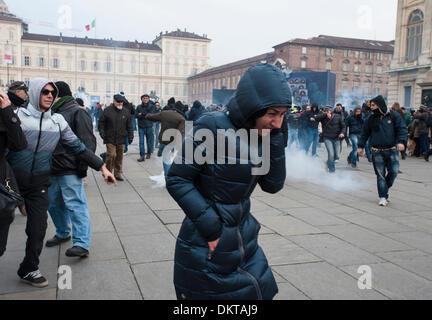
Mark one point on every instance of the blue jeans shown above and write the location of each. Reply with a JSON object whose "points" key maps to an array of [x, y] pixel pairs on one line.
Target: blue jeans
{"points": [[368, 151], [333, 148], [166, 161], [148, 134], [386, 165], [157, 130], [312, 139], [293, 137], [68, 205], [134, 123], [354, 141]]}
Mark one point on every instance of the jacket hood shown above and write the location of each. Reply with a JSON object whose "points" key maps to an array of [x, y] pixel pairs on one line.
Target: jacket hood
{"points": [[380, 102], [35, 89], [197, 105], [261, 87]]}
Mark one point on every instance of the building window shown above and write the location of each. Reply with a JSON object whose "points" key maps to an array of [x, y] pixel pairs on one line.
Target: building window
{"points": [[329, 52], [347, 53], [357, 54], [379, 70], [368, 55], [345, 67], [27, 81], [95, 66], [303, 64], [377, 91], [357, 68], [415, 33], [55, 63], [108, 67], [11, 35], [328, 65], [379, 56], [304, 50], [27, 61], [408, 91], [108, 86], [83, 65], [41, 62], [95, 86], [369, 68]]}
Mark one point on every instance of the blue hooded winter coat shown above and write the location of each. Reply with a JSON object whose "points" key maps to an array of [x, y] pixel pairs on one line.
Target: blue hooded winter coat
{"points": [[216, 201]]}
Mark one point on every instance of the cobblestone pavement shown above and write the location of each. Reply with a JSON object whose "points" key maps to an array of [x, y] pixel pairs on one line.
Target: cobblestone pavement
{"points": [[315, 238]]}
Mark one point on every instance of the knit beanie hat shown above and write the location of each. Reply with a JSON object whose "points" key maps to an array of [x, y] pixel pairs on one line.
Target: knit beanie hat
{"points": [[64, 89]]}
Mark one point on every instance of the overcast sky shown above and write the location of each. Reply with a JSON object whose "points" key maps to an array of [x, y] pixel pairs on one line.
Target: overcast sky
{"points": [[239, 29]]}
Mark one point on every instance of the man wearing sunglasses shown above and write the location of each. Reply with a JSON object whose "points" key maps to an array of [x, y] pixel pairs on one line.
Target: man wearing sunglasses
{"points": [[32, 168]]}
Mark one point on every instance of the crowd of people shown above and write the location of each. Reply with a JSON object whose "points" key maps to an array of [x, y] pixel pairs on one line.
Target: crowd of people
{"points": [[48, 141]]}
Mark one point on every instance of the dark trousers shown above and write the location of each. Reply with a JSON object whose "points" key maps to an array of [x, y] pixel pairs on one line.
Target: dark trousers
{"points": [[5, 223], [36, 203]]}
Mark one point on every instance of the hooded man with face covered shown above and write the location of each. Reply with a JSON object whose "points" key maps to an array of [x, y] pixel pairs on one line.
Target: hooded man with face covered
{"points": [[388, 135], [32, 167], [217, 253]]}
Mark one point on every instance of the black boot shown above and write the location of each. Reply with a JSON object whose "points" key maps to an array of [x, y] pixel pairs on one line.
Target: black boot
{"points": [[77, 252], [56, 241]]}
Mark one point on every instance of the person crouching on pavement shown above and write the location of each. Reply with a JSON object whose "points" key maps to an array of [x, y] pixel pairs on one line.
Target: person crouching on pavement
{"points": [[388, 135], [115, 125]]}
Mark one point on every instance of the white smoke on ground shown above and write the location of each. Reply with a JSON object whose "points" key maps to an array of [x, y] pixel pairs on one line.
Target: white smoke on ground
{"points": [[301, 167]]}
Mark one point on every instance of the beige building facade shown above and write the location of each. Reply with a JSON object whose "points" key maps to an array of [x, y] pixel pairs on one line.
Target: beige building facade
{"points": [[103, 67], [360, 66], [410, 72]]}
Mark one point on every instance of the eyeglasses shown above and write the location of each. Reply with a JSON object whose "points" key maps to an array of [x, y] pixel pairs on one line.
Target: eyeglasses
{"points": [[47, 92]]}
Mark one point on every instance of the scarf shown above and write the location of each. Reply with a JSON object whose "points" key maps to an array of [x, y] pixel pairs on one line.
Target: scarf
{"points": [[59, 103]]}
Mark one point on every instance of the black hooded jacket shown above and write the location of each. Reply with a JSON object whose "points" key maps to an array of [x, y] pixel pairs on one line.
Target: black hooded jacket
{"points": [[196, 111], [79, 120]]}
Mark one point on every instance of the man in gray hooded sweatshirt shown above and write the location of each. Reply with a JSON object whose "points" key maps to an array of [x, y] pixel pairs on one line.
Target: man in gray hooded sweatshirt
{"points": [[32, 168]]}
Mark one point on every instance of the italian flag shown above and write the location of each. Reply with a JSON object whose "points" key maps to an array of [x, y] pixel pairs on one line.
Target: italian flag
{"points": [[91, 26]]}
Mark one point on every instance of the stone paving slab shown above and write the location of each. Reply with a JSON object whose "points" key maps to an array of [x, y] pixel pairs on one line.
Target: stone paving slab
{"points": [[334, 250], [364, 239], [322, 281], [156, 280], [288, 226], [101, 280], [396, 283], [149, 247]]}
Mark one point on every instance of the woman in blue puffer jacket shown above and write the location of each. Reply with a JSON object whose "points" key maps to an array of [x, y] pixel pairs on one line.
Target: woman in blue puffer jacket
{"points": [[217, 254]]}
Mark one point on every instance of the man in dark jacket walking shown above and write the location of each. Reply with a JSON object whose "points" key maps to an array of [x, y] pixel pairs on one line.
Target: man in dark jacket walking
{"points": [[354, 126], [68, 203], [217, 253], [333, 131], [388, 134], [312, 130], [145, 127], [115, 125], [170, 118], [422, 128], [12, 138]]}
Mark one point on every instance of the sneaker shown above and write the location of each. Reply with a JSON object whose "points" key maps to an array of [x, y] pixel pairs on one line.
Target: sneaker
{"points": [[35, 279], [76, 251], [119, 179], [337, 161], [141, 160], [56, 241], [383, 202], [148, 156]]}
